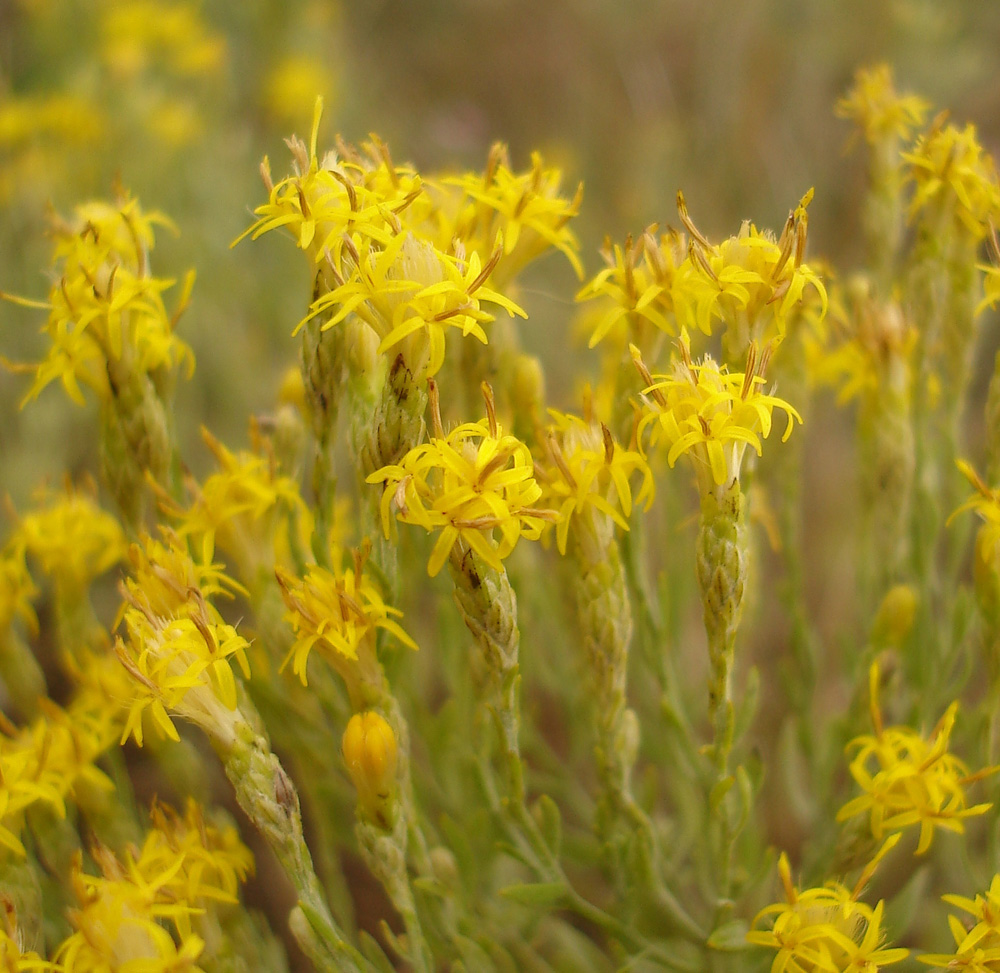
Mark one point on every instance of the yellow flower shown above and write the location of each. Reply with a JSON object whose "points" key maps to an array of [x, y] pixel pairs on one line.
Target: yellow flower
{"points": [[875, 107], [469, 484], [185, 865], [751, 281], [953, 174], [73, 540], [107, 317], [178, 647], [524, 208], [293, 81], [991, 282], [239, 506], [409, 292], [144, 34], [871, 351], [16, 589], [977, 949], [824, 930], [371, 754], [908, 780], [336, 613], [584, 466], [637, 284], [44, 761], [711, 414]]}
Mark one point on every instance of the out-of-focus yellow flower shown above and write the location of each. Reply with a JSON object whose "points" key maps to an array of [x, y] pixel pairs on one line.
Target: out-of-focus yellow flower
{"points": [[153, 34], [584, 465], [524, 208], [336, 613], [909, 780], [178, 647], [239, 507], [977, 950], [73, 540], [184, 867], [637, 284], [991, 282], [43, 762], [825, 930], [295, 81], [16, 589], [870, 351], [469, 484], [751, 282], [711, 414], [106, 313], [875, 107], [953, 174]]}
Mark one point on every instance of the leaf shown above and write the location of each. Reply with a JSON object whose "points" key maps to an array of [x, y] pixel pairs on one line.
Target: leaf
{"points": [[549, 818], [373, 953], [536, 893], [719, 792], [731, 936]]}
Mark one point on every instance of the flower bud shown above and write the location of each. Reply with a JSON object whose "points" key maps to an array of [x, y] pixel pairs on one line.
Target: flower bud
{"points": [[370, 752], [894, 618]]}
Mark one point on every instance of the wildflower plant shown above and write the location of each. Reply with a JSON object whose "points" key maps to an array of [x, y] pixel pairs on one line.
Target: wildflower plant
{"points": [[573, 773]]}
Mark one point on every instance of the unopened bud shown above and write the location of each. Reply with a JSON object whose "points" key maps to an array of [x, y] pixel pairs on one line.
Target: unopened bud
{"points": [[894, 618], [370, 752]]}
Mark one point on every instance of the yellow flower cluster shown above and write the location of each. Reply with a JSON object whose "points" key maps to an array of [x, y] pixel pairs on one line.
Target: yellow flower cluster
{"points": [[185, 866], [953, 174], [711, 414], [238, 507], [409, 259], [875, 107], [977, 950], [178, 647], [467, 485], [73, 540], [173, 37], [583, 466], [751, 282], [335, 612], [637, 285], [822, 930], [107, 317], [16, 589], [908, 780], [43, 762]]}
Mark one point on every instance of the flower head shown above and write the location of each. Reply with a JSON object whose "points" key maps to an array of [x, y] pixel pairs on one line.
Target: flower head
{"points": [[178, 648], [909, 780], [824, 930], [337, 613], [239, 507], [636, 286], [587, 473], [525, 208], [107, 318], [875, 107], [953, 174], [751, 282], [468, 485], [977, 949], [711, 414], [73, 540]]}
